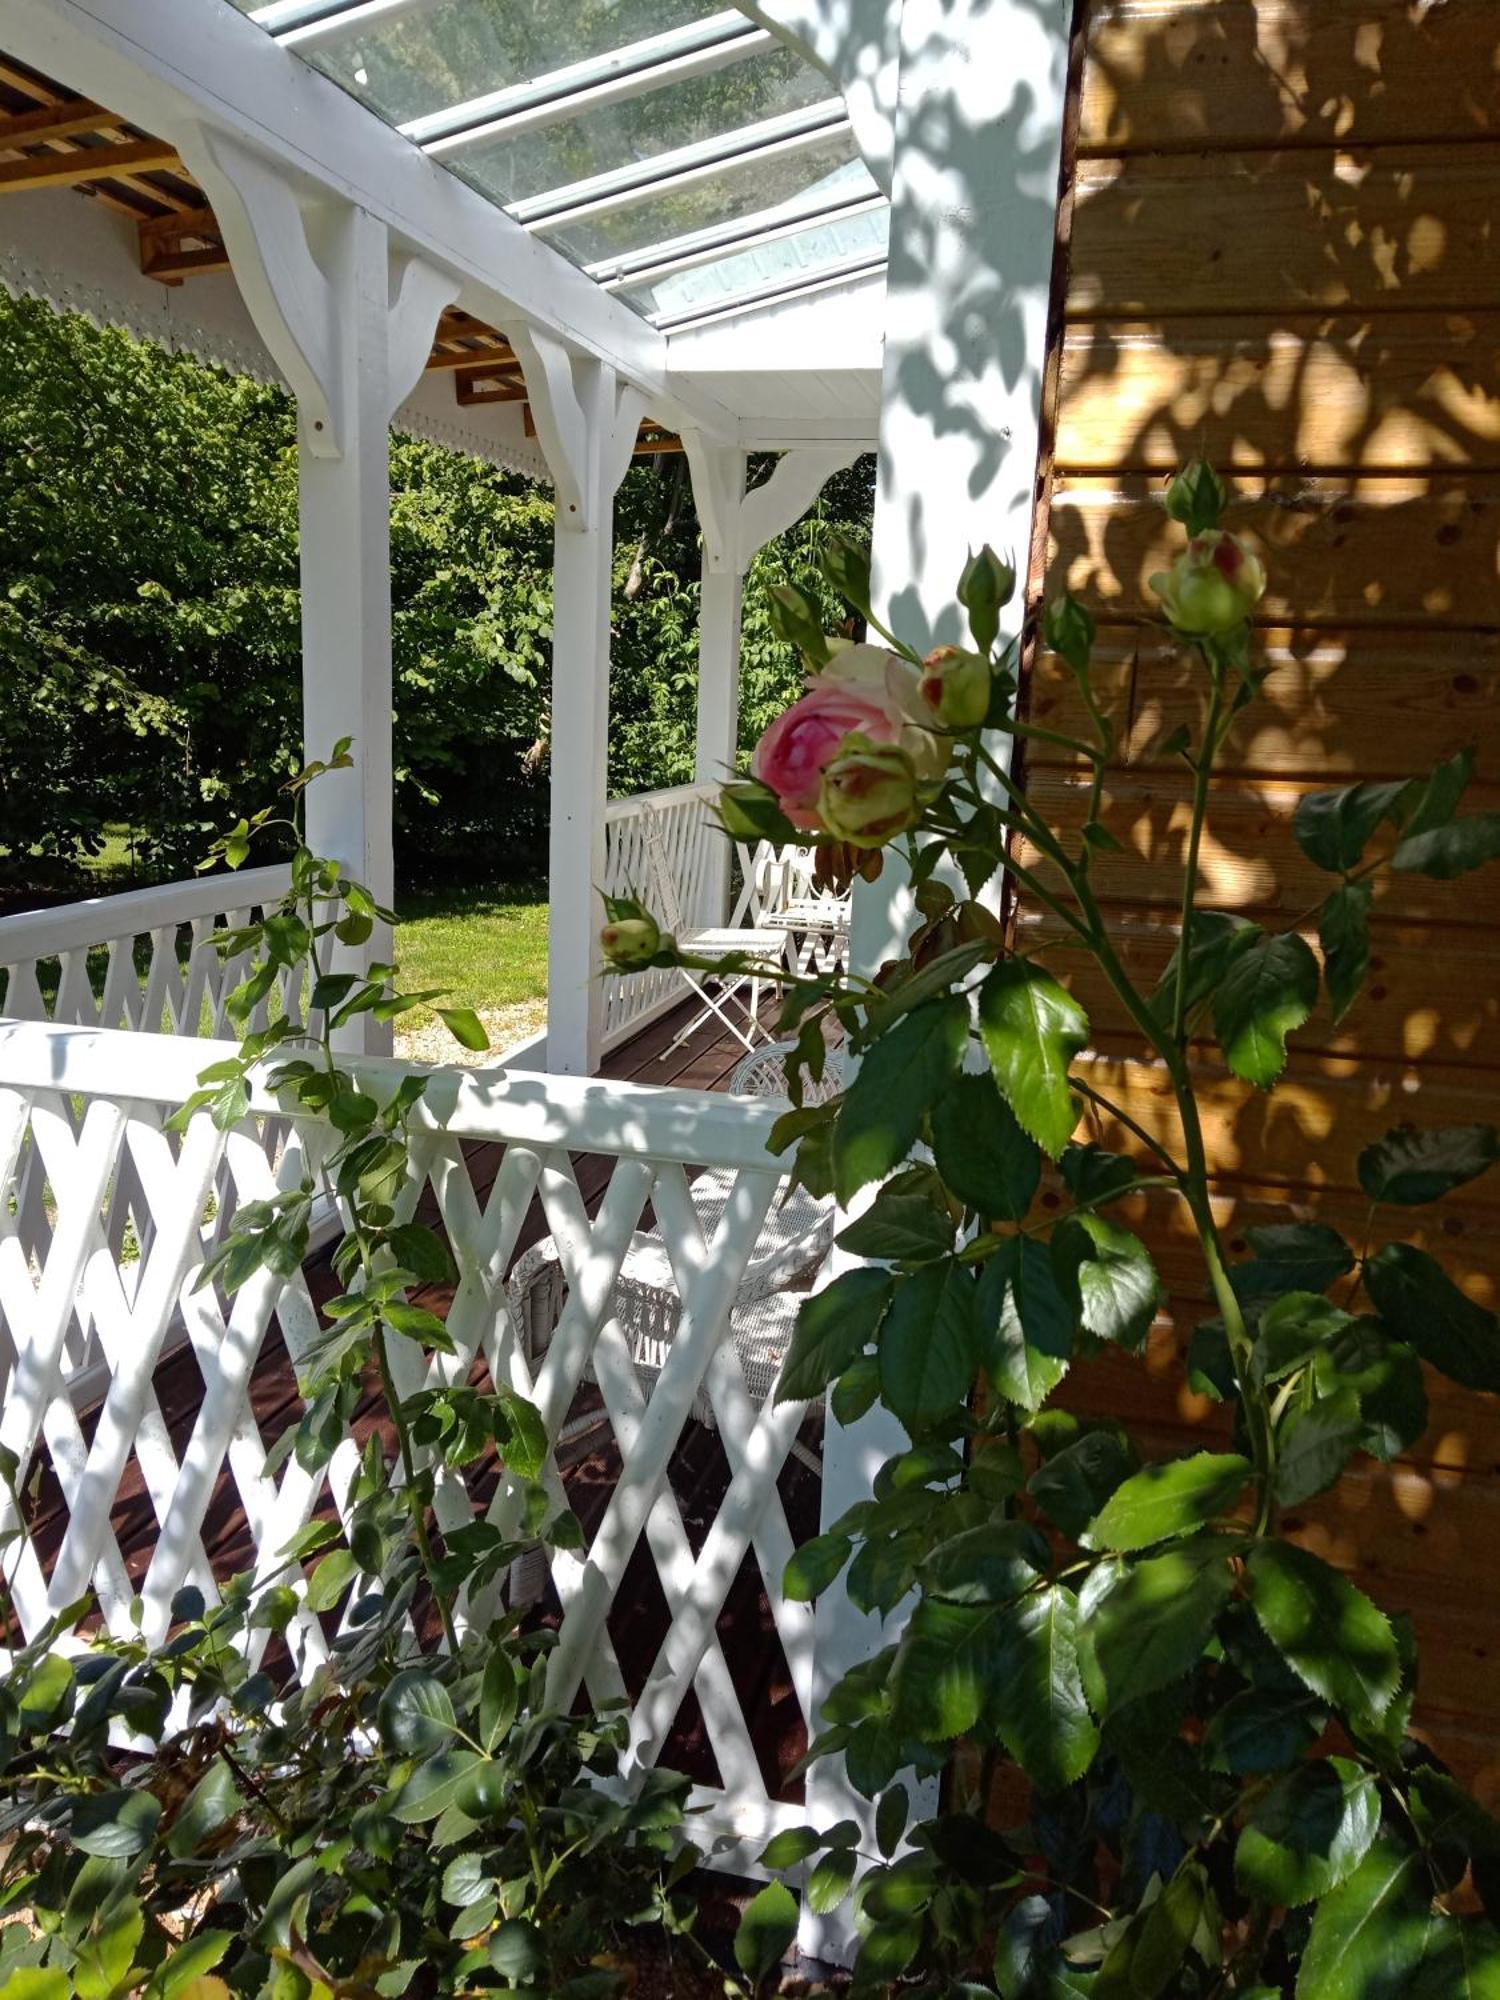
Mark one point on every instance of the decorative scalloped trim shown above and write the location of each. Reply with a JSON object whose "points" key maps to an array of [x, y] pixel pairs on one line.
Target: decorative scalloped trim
{"points": [[456, 437], [24, 279]]}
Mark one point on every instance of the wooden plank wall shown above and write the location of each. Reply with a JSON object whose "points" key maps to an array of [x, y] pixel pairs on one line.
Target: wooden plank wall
{"points": [[1284, 256]]}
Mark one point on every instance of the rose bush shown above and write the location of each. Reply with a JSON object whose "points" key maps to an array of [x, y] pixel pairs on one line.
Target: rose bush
{"points": [[1174, 1743]]}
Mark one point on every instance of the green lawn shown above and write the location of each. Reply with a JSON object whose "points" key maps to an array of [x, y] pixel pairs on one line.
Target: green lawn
{"points": [[488, 946]]}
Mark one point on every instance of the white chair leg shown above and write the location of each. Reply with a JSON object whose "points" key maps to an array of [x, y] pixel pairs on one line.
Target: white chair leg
{"points": [[710, 1006]]}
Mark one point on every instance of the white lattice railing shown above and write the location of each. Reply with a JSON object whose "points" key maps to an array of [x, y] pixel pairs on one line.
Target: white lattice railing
{"points": [[145, 960], [688, 834], [142, 960], [84, 1109]]}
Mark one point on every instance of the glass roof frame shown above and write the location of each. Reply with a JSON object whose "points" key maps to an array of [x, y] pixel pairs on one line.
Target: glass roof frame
{"points": [[825, 221], [695, 49], [295, 23], [672, 255], [665, 173], [772, 292]]}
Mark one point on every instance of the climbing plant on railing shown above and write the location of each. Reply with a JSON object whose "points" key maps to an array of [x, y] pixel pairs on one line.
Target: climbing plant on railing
{"points": [[1186, 1764], [414, 1815]]}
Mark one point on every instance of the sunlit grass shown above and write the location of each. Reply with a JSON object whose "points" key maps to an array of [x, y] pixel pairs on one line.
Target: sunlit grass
{"points": [[486, 944]]}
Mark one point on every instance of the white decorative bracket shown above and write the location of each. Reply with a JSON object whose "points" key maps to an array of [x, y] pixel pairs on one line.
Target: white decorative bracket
{"points": [[423, 292], [284, 288], [796, 480], [718, 475], [736, 523], [295, 296], [587, 421]]}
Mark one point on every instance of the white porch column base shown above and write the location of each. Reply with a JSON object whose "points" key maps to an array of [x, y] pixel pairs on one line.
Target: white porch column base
{"points": [[587, 422]]}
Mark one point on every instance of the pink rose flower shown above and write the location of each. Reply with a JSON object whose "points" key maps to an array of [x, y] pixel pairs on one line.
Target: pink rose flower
{"points": [[800, 745]]}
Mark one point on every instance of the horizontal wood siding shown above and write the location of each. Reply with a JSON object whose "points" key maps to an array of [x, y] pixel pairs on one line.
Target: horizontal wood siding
{"points": [[1163, 74], [1353, 392], [1284, 255]]}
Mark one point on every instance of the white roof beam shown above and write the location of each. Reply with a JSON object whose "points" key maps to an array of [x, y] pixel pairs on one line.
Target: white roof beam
{"points": [[695, 50], [706, 246], [172, 68], [665, 173]]}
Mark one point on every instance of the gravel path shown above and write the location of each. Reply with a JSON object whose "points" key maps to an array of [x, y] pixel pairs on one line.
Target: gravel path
{"points": [[427, 1040]]}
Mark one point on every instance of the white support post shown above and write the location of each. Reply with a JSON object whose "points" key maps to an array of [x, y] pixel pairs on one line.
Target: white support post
{"points": [[978, 146], [344, 526], [587, 422], [735, 525], [973, 231], [318, 282], [718, 473], [719, 673]]}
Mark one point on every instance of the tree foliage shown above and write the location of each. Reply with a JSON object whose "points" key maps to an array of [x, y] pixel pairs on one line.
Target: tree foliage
{"points": [[149, 615]]}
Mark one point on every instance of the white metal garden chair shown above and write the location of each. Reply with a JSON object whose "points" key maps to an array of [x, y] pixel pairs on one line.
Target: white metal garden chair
{"points": [[814, 922], [759, 942]]}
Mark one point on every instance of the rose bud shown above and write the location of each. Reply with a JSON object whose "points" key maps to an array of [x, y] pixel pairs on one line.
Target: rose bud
{"points": [[1197, 497], [986, 584], [631, 942], [955, 686], [869, 793], [1212, 587]]}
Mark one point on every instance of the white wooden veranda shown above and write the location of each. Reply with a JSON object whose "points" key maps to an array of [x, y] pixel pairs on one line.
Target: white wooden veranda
{"points": [[869, 268]]}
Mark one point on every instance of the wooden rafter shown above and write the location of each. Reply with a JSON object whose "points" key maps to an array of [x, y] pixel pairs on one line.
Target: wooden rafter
{"points": [[492, 385], [177, 245], [470, 359], [654, 439], [84, 163], [55, 120], [51, 121]]}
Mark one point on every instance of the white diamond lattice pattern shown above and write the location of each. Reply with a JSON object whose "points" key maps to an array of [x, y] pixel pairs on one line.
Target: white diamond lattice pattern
{"points": [[82, 1115]]}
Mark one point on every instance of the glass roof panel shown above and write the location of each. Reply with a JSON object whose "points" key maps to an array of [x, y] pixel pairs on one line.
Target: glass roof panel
{"points": [[450, 51], [636, 129], [724, 196], [789, 259], [614, 128]]}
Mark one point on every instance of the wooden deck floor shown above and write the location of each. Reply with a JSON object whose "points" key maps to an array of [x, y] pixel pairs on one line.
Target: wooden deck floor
{"points": [[699, 1473]]}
